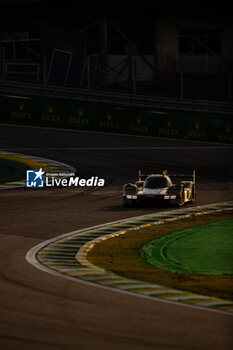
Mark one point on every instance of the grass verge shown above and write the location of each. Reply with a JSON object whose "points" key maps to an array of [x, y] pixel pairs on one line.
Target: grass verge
{"points": [[122, 255], [205, 250]]}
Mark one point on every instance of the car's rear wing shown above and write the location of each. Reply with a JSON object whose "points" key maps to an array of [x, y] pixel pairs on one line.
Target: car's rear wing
{"points": [[192, 176], [142, 177]]}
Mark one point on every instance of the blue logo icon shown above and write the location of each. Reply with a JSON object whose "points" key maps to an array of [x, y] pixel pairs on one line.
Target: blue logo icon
{"points": [[35, 178]]}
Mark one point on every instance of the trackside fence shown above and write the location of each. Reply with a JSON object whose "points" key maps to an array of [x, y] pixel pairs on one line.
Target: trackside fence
{"points": [[96, 117]]}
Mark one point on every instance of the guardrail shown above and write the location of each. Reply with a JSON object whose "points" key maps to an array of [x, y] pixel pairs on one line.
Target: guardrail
{"points": [[116, 99]]}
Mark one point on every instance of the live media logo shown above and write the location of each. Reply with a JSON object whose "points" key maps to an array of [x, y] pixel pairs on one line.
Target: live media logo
{"points": [[38, 179], [35, 178]]}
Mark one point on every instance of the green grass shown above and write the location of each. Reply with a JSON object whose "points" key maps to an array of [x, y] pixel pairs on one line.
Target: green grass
{"points": [[206, 250], [122, 255]]}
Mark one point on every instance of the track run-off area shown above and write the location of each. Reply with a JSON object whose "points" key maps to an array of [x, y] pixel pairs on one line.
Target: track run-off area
{"points": [[42, 310], [67, 255]]}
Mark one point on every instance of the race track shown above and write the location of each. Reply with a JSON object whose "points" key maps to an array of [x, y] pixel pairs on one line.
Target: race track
{"points": [[41, 311]]}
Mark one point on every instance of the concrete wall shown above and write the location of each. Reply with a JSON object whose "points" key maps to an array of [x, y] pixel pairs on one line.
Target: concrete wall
{"points": [[87, 116]]}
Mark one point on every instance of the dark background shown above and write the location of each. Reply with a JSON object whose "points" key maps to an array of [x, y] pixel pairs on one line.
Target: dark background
{"points": [[167, 48]]}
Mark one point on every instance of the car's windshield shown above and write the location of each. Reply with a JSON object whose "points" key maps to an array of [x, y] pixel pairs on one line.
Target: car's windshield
{"points": [[157, 182]]}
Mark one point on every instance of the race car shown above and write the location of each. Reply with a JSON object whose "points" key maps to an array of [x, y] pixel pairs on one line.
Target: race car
{"points": [[155, 188]]}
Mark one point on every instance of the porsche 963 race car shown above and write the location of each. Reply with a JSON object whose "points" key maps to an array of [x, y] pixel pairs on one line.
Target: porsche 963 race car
{"points": [[155, 188]]}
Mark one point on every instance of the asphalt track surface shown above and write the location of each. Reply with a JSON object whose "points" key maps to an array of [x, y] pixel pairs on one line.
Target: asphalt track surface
{"points": [[39, 311]]}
